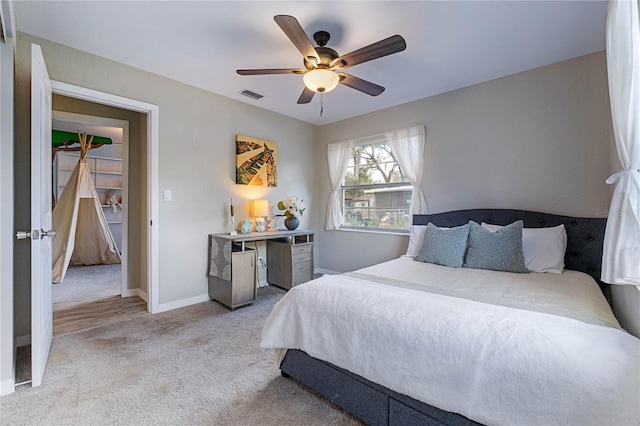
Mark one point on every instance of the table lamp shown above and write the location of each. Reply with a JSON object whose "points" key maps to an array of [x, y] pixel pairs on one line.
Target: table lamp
{"points": [[260, 210]]}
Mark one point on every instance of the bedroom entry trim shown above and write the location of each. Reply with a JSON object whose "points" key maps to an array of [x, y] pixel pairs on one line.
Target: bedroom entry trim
{"points": [[152, 113]]}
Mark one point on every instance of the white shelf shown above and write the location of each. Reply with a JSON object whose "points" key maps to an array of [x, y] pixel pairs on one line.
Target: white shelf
{"points": [[61, 187], [93, 171], [76, 155]]}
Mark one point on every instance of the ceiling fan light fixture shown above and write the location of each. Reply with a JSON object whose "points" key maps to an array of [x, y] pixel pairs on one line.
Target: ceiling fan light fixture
{"points": [[321, 80]]}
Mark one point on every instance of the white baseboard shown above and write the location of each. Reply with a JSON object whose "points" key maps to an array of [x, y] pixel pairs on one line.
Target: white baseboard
{"points": [[7, 386], [136, 292], [325, 271], [163, 307], [130, 292], [23, 341]]}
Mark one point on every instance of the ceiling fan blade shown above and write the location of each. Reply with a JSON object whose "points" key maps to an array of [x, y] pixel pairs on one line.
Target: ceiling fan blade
{"points": [[363, 86], [271, 71], [296, 34], [388, 46], [306, 96]]}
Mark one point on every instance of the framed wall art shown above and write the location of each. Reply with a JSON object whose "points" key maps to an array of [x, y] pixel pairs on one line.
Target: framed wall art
{"points": [[256, 161]]}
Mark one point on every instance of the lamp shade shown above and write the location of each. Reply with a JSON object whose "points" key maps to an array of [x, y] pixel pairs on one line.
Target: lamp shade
{"points": [[321, 80], [260, 208]]}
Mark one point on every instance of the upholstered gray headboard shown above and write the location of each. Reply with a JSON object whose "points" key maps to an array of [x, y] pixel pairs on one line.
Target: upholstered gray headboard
{"points": [[585, 236]]}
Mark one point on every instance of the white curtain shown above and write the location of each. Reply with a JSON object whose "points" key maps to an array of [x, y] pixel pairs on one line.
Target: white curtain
{"points": [[407, 146], [338, 154], [621, 256]]}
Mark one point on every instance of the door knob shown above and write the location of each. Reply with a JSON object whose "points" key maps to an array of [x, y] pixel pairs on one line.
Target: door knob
{"points": [[35, 234]]}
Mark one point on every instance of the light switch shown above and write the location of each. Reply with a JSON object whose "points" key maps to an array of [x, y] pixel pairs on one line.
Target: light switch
{"points": [[168, 195]]}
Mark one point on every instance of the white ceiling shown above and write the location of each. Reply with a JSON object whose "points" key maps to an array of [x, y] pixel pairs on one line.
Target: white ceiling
{"points": [[450, 44]]}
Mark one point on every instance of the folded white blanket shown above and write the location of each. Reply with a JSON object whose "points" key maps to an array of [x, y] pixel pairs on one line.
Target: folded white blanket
{"points": [[572, 294], [493, 364]]}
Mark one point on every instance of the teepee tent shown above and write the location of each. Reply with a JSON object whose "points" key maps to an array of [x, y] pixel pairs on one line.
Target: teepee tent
{"points": [[83, 236]]}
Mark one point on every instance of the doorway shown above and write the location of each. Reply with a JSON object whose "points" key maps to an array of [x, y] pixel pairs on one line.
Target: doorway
{"points": [[141, 258], [147, 227], [109, 169]]}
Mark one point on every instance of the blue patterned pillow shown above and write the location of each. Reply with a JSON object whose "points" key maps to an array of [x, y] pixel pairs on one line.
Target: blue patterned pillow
{"points": [[498, 251], [444, 246]]}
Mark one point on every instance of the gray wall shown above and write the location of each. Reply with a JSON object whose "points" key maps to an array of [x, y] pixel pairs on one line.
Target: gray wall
{"points": [[196, 161], [626, 306], [538, 140]]}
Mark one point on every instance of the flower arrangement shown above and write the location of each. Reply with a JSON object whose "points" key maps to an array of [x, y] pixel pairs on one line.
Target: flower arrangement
{"points": [[292, 206]]}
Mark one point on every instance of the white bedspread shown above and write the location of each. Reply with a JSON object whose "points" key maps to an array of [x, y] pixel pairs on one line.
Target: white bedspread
{"points": [[493, 364]]}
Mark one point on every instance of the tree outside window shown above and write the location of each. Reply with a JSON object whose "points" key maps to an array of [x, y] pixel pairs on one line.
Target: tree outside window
{"points": [[376, 194]]}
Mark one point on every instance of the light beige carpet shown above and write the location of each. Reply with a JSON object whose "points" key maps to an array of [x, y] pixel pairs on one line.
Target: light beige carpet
{"points": [[88, 283], [197, 365]]}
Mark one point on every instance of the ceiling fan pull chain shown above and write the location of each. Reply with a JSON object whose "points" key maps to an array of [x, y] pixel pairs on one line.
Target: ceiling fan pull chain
{"points": [[321, 103]]}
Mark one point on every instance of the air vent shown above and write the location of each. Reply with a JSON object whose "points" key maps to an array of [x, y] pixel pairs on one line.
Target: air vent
{"points": [[252, 95]]}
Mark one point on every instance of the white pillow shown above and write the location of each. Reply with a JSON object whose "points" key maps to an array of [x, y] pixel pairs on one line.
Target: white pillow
{"points": [[543, 248], [416, 235]]}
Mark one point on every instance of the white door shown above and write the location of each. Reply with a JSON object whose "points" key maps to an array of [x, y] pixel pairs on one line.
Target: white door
{"points": [[41, 193]]}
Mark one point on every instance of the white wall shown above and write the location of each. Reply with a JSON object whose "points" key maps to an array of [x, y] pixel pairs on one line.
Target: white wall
{"points": [[7, 375], [196, 161], [538, 140]]}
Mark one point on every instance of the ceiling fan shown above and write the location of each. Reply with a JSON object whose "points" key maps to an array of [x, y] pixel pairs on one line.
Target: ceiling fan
{"points": [[323, 65]]}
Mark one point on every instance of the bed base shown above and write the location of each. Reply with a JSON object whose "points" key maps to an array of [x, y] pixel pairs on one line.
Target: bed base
{"points": [[367, 401], [377, 405]]}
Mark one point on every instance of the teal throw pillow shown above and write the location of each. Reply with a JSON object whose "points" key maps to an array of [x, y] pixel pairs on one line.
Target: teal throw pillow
{"points": [[444, 246], [497, 251]]}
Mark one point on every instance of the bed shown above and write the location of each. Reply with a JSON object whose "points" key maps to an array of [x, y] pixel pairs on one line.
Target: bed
{"points": [[392, 344]]}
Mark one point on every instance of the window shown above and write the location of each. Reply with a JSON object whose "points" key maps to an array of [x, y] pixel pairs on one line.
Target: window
{"points": [[376, 195]]}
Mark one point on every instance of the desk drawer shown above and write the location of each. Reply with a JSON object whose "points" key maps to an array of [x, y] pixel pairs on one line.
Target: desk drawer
{"points": [[299, 249], [302, 272], [302, 257], [289, 264]]}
